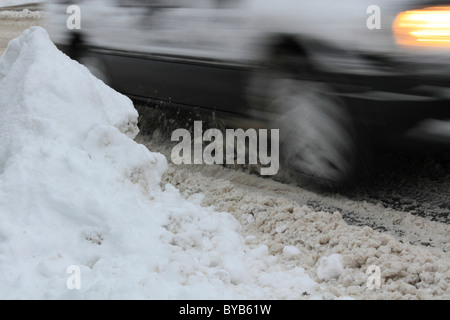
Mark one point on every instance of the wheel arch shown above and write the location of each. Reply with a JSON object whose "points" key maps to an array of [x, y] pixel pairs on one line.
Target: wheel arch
{"points": [[279, 45]]}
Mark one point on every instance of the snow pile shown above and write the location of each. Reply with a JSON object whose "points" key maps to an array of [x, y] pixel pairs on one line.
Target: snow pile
{"points": [[77, 190]]}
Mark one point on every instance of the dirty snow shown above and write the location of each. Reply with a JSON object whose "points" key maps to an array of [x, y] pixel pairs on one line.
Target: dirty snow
{"points": [[335, 254], [23, 14]]}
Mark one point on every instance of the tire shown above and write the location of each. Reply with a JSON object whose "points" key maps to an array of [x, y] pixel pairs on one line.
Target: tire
{"points": [[319, 138]]}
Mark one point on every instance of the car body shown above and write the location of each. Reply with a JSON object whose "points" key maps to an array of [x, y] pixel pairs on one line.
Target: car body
{"points": [[333, 76]]}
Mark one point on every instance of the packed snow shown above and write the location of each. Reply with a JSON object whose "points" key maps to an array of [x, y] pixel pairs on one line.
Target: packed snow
{"points": [[77, 191]]}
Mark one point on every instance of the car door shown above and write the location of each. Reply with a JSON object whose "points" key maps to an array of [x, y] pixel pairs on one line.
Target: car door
{"points": [[187, 55]]}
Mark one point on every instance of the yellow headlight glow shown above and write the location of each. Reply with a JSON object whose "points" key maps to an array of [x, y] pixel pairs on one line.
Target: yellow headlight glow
{"points": [[426, 27]]}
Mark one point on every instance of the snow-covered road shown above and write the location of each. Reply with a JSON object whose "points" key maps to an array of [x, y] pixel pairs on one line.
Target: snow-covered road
{"points": [[398, 224]]}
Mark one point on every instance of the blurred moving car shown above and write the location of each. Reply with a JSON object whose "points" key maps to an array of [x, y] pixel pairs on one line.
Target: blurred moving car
{"points": [[333, 76]]}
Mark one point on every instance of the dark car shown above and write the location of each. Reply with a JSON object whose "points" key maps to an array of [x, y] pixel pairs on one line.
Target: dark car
{"points": [[336, 77]]}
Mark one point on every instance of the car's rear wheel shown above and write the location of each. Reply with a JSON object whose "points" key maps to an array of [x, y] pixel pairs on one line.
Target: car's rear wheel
{"points": [[317, 136]]}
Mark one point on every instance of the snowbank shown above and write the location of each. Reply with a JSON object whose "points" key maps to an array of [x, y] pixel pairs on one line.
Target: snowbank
{"points": [[77, 190], [24, 14]]}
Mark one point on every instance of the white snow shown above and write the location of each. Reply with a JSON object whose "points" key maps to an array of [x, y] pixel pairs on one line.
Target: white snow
{"points": [[330, 267], [291, 252], [77, 190]]}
